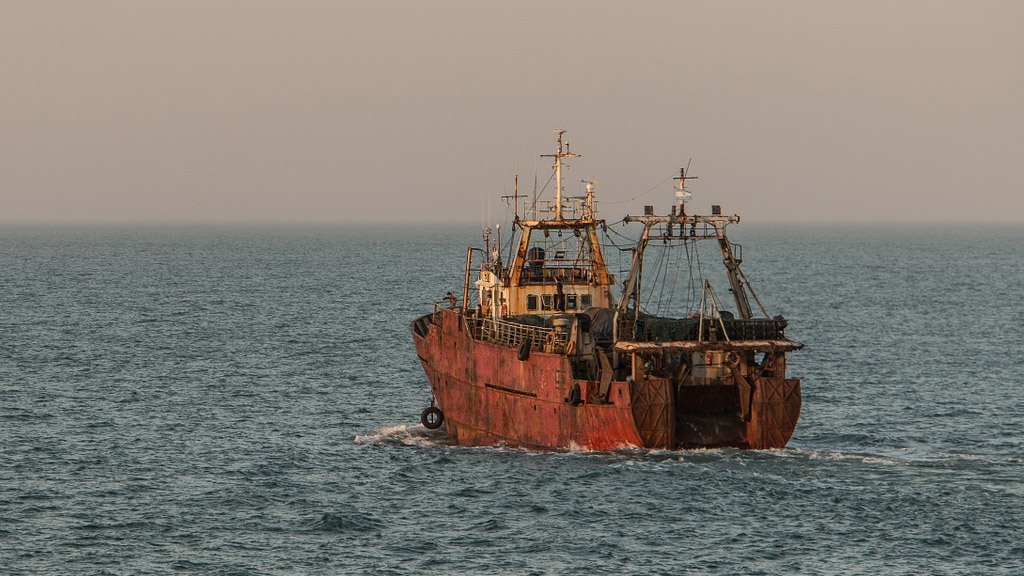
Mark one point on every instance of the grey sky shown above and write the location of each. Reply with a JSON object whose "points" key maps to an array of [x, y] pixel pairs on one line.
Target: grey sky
{"points": [[339, 111]]}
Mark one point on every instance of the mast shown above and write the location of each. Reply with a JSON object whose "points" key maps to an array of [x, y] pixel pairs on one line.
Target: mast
{"points": [[563, 152], [682, 194]]}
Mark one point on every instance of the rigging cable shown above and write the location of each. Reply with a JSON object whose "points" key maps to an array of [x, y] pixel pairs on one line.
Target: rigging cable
{"points": [[667, 251], [644, 193], [691, 291], [654, 282], [672, 291], [536, 197], [700, 270]]}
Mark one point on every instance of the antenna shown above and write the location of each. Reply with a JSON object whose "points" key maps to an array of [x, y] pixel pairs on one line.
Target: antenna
{"points": [[515, 187], [535, 169], [517, 152], [563, 152], [682, 194], [515, 198], [515, 184]]}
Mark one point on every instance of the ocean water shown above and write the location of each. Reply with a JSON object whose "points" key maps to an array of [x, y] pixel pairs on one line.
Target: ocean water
{"points": [[231, 401]]}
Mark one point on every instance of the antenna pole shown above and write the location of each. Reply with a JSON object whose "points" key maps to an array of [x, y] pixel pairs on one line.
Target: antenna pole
{"points": [[515, 198], [558, 177], [682, 194], [563, 152]]}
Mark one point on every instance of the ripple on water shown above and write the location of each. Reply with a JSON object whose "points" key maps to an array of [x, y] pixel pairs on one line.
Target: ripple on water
{"points": [[348, 521], [216, 401]]}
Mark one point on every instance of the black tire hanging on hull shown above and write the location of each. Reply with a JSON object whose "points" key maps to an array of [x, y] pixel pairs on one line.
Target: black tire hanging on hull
{"points": [[524, 349], [432, 418], [575, 397]]}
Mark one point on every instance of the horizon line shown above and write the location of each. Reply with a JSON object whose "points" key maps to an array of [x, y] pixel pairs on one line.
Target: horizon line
{"points": [[451, 222]]}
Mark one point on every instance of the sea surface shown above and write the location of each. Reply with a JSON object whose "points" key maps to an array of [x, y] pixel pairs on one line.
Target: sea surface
{"points": [[246, 400]]}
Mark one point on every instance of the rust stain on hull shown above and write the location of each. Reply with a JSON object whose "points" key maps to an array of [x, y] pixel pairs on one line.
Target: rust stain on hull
{"points": [[489, 396]]}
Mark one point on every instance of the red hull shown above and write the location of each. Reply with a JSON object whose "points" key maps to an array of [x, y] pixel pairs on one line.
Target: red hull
{"points": [[489, 396]]}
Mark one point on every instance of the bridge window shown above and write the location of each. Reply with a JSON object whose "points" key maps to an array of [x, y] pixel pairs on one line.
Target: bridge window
{"points": [[545, 302], [585, 300], [531, 301], [570, 301]]}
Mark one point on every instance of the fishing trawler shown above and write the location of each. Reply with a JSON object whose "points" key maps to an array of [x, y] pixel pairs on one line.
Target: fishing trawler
{"points": [[544, 350]]}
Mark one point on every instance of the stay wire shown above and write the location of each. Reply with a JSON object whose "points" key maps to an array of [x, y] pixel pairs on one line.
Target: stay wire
{"points": [[666, 250], [657, 275], [690, 288], [675, 277], [700, 270], [533, 205], [642, 194]]}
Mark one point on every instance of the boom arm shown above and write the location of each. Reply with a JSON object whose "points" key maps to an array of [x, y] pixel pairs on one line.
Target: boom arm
{"points": [[634, 270], [732, 267]]}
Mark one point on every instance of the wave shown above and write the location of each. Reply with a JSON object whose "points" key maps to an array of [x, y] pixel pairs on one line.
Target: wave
{"points": [[349, 521], [899, 456], [404, 435]]}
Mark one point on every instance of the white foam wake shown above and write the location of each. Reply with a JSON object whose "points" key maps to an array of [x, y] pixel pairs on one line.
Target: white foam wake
{"points": [[403, 435]]}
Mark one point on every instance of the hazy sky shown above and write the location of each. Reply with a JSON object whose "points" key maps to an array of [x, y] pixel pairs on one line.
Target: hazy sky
{"points": [[211, 110]]}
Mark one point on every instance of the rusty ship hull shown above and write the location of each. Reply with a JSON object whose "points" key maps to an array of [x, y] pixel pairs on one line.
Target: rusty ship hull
{"points": [[490, 396]]}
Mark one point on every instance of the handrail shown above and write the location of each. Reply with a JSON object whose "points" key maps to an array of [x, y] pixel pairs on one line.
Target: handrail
{"points": [[570, 273], [513, 334], [573, 208]]}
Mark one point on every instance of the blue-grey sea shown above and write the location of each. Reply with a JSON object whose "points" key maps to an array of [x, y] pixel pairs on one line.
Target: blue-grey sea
{"points": [[245, 401]]}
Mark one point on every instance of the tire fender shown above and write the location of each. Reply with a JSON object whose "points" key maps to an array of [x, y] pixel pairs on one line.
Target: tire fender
{"points": [[432, 418], [575, 396], [524, 349]]}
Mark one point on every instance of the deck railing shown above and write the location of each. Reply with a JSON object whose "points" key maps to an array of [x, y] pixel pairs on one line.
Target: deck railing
{"points": [[547, 271], [513, 334], [572, 208]]}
